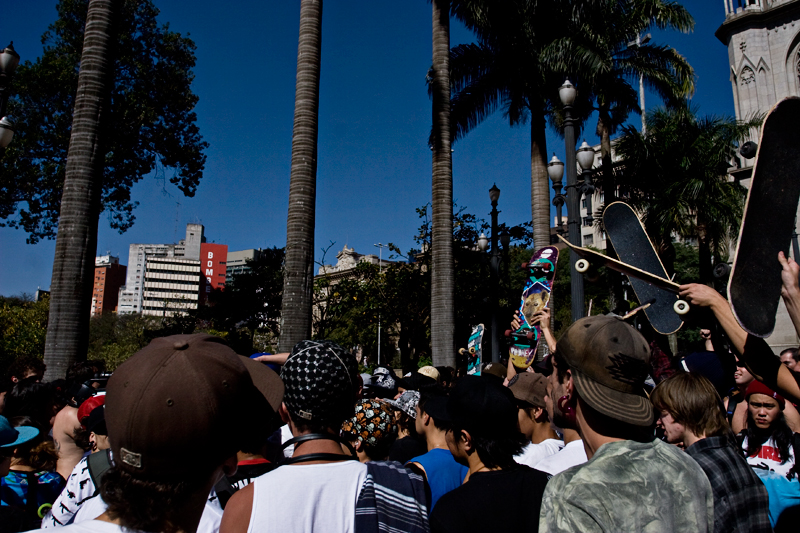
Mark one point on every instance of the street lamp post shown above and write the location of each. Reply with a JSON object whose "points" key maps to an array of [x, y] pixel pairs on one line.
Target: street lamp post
{"points": [[494, 264], [380, 271], [567, 94], [9, 59], [640, 40]]}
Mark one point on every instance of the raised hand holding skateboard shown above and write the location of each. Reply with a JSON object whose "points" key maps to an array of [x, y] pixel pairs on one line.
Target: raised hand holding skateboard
{"points": [[535, 298]]}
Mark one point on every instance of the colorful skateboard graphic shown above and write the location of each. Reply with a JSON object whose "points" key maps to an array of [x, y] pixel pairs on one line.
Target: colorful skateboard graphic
{"points": [[474, 351], [754, 286], [535, 297]]}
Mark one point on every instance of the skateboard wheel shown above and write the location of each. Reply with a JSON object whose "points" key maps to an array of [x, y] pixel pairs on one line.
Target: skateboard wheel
{"points": [[681, 307], [581, 265], [529, 335], [462, 351], [508, 333], [524, 265], [472, 350]]}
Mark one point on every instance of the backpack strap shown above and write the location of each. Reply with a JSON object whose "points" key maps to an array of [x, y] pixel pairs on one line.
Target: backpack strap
{"points": [[32, 496], [98, 464]]}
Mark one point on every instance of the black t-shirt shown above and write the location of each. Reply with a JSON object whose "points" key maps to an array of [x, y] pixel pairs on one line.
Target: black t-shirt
{"points": [[405, 449], [503, 500]]}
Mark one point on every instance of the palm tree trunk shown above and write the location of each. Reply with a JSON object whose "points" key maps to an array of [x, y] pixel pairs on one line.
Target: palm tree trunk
{"points": [[540, 185], [76, 242], [298, 281], [704, 253], [442, 275]]}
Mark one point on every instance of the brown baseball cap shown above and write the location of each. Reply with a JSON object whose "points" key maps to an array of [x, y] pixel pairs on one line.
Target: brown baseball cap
{"points": [[181, 406], [610, 362], [529, 387]]}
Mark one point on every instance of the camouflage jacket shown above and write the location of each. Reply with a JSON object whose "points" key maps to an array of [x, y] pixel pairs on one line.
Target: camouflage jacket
{"points": [[630, 486]]}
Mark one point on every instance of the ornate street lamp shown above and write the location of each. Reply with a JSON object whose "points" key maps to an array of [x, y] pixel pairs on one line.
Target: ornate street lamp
{"points": [[494, 264], [567, 94]]}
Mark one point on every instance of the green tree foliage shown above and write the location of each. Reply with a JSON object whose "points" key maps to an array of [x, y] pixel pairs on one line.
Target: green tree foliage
{"points": [[152, 123], [676, 176], [114, 338], [247, 311], [23, 327], [347, 310]]}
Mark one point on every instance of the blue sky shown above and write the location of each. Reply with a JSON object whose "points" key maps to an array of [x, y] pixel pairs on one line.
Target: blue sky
{"points": [[374, 165]]}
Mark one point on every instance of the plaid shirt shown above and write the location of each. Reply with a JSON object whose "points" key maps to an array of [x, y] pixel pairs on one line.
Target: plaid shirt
{"points": [[740, 498]]}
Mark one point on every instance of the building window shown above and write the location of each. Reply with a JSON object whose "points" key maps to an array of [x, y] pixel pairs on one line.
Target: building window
{"points": [[587, 222], [588, 239]]}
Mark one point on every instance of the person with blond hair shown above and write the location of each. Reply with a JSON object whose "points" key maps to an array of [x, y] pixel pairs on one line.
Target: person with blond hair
{"points": [[689, 410]]}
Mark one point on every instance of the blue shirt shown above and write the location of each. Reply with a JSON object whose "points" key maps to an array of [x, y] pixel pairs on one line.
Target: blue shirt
{"points": [[443, 472]]}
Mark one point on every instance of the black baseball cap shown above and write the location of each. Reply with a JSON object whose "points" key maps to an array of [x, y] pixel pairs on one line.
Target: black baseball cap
{"points": [[484, 407]]}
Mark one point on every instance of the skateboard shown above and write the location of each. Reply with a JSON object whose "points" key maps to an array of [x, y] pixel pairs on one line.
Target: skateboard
{"points": [[474, 351], [535, 296], [634, 248], [667, 288], [754, 285]]}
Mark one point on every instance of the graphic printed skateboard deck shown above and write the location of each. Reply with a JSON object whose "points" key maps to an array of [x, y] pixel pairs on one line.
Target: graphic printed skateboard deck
{"points": [[634, 248], [474, 351], [535, 296], [754, 286]]}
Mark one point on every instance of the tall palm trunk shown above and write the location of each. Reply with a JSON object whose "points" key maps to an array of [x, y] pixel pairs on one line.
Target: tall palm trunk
{"points": [[76, 242], [298, 281], [442, 275], [540, 186]]}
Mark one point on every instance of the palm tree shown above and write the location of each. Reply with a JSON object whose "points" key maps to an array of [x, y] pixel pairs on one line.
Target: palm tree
{"points": [[442, 275], [601, 46], [676, 175], [76, 242], [298, 281], [504, 70]]}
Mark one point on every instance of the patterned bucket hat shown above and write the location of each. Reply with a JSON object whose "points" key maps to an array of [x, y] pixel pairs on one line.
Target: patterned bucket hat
{"points": [[372, 424]]}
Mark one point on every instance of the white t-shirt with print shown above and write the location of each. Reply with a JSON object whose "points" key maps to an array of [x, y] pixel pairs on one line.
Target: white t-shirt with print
{"points": [[571, 455], [532, 454], [769, 458]]}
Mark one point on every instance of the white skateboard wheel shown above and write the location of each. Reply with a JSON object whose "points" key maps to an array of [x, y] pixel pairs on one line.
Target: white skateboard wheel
{"points": [[681, 307], [581, 265]]}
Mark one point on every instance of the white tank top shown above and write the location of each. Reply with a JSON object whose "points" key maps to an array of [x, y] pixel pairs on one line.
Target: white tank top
{"points": [[307, 498]]}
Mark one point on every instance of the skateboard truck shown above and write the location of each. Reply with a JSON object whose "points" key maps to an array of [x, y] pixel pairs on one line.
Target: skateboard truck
{"points": [[520, 335], [464, 351]]}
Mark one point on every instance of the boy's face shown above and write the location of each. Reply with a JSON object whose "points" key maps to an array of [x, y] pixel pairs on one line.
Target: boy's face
{"points": [[673, 431]]}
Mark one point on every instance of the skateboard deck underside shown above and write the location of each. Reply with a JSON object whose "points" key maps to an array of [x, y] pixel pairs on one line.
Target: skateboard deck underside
{"points": [[633, 247], [474, 357], [754, 286], [535, 296]]}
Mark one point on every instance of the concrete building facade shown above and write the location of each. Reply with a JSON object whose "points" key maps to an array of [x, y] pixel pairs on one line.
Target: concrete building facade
{"points": [[132, 295], [109, 276], [237, 262]]}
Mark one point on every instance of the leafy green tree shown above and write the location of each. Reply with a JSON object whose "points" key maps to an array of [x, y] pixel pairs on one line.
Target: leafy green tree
{"points": [[152, 124], [23, 328], [249, 308], [114, 338], [108, 102], [676, 176], [298, 282]]}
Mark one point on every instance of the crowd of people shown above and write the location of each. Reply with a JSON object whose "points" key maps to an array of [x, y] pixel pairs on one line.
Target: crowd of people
{"points": [[610, 432]]}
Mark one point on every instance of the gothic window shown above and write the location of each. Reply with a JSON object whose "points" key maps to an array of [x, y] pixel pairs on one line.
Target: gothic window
{"points": [[748, 76]]}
